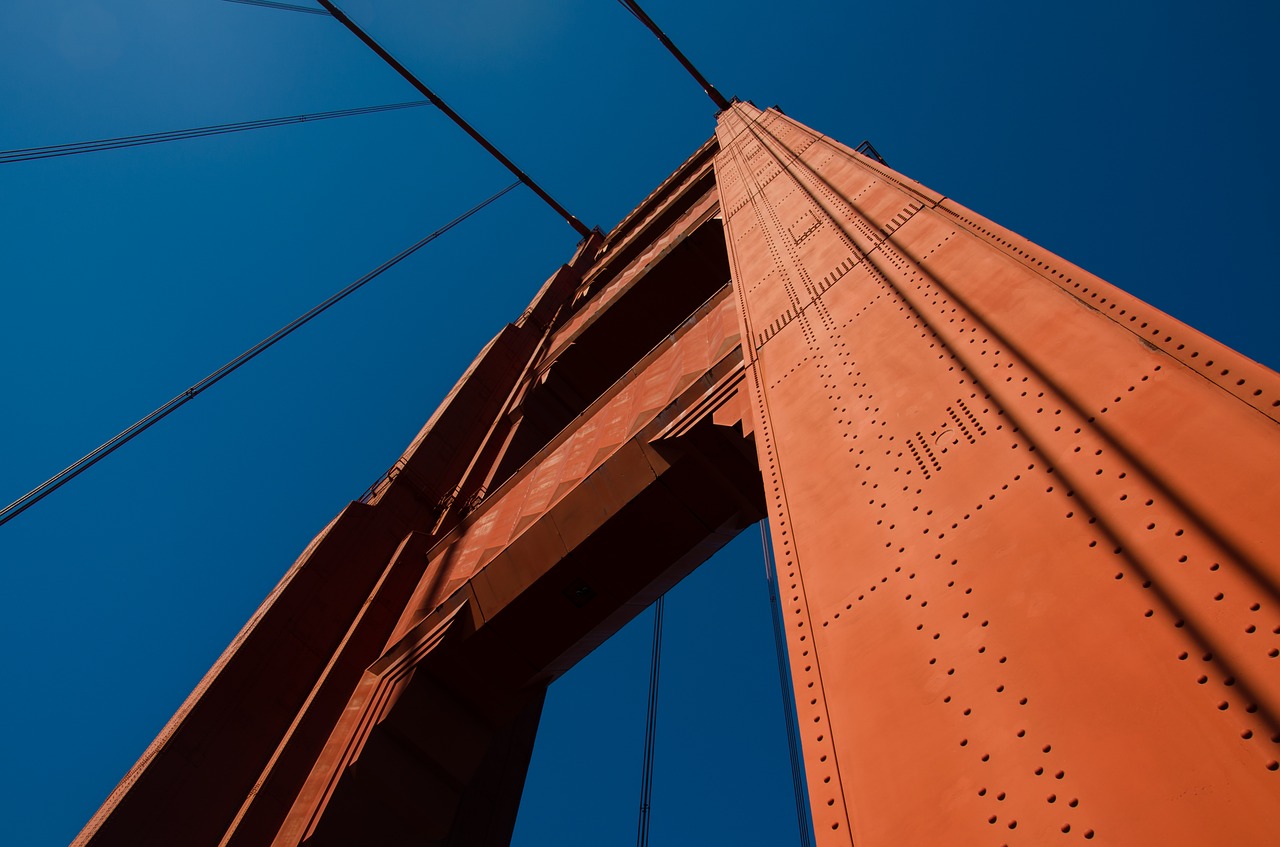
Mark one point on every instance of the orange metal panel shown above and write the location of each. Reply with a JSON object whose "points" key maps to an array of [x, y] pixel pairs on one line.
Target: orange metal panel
{"points": [[1024, 535], [1022, 520]]}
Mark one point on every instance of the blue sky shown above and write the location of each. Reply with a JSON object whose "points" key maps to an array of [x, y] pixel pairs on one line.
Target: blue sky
{"points": [[1135, 139]]}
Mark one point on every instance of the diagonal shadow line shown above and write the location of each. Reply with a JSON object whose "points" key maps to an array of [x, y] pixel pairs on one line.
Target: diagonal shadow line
{"points": [[1267, 711]]}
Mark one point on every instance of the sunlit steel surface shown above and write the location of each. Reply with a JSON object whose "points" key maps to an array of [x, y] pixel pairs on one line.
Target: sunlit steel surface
{"points": [[1023, 526]]}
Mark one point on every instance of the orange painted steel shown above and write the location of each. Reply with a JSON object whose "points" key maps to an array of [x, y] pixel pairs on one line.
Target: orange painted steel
{"points": [[1024, 522], [1021, 520]]}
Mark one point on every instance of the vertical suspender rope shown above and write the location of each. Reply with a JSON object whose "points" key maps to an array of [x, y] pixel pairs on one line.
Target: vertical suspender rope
{"points": [[377, 48], [803, 823], [650, 726]]}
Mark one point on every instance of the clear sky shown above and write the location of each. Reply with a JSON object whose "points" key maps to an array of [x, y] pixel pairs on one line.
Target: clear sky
{"points": [[1136, 139]]}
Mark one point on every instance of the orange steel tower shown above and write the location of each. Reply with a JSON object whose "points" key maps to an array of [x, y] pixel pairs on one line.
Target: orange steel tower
{"points": [[1023, 524]]}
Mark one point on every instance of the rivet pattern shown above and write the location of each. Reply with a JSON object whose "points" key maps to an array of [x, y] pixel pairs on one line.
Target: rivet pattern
{"points": [[1000, 558]]}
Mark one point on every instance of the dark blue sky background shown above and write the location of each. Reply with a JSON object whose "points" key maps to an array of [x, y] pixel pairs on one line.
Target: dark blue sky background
{"points": [[1136, 139]]}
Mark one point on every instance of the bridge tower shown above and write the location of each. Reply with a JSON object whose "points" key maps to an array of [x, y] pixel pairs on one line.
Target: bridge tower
{"points": [[1024, 528]]}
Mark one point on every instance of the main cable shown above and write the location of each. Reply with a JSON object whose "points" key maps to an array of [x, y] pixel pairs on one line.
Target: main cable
{"points": [[27, 154], [69, 473], [377, 48], [650, 727], [640, 15]]}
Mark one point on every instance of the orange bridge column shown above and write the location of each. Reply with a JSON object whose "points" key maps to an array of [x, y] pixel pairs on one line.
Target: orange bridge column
{"points": [[1025, 523]]}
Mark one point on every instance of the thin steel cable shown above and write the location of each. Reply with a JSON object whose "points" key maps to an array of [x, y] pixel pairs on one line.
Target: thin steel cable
{"points": [[73, 470], [650, 728], [409, 77], [27, 154], [288, 7], [640, 15], [631, 11], [803, 824]]}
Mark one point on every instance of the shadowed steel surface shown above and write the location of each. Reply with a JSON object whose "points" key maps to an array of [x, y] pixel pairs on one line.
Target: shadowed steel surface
{"points": [[1021, 521]]}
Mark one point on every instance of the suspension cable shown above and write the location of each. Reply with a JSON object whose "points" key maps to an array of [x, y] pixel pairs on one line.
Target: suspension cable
{"points": [[650, 727], [27, 154], [803, 822], [377, 48], [69, 473], [288, 7], [640, 15]]}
